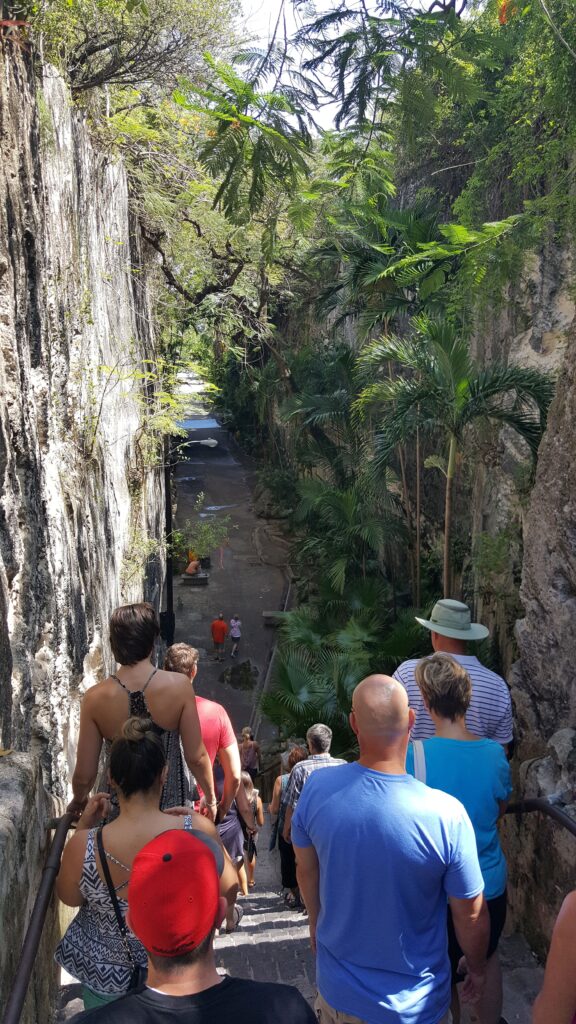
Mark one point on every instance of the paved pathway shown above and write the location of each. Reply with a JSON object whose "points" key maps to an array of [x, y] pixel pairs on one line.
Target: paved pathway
{"points": [[271, 943], [248, 580]]}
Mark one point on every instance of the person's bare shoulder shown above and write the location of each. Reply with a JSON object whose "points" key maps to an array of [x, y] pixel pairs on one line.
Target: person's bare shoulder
{"points": [[92, 697], [202, 824], [176, 682]]}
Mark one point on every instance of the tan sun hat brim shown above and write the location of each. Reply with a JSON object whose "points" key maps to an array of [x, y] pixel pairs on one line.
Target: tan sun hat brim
{"points": [[476, 631]]}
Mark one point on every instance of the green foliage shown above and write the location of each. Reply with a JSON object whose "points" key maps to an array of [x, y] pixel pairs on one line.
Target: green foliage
{"points": [[141, 548], [254, 147], [202, 535], [493, 559], [130, 42], [325, 654]]}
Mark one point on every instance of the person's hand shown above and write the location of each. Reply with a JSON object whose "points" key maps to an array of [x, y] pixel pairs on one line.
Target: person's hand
{"points": [[77, 806], [96, 809], [473, 984], [208, 809]]}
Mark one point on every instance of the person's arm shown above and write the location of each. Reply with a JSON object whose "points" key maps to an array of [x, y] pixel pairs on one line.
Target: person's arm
{"points": [[274, 805], [503, 731], [286, 831], [259, 813], [229, 876], [87, 756], [472, 927], [292, 794], [72, 863], [245, 809], [230, 761], [556, 1003], [308, 875], [195, 752], [258, 755]]}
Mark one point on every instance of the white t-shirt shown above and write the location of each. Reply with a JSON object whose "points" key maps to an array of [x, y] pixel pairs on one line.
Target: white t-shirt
{"points": [[490, 711], [235, 627]]}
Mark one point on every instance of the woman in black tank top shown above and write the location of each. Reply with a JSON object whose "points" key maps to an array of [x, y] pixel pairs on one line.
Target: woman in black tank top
{"points": [[133, 632]]}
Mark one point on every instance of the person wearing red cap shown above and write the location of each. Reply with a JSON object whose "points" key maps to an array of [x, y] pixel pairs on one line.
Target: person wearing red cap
{"points": [[174, 908]]}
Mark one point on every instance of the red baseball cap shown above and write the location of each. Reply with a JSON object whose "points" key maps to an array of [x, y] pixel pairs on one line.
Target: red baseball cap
{"points": [[173, 893]]}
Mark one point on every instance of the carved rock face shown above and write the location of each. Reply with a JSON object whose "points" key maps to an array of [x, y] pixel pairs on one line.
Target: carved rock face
{"points": [[74, 299], [547, 633]]}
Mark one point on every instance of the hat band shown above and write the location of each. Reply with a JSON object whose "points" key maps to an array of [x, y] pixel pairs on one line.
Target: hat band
{"points": [[451, 625]]}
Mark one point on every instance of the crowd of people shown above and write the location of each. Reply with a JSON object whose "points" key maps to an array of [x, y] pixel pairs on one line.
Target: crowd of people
{"points": [[394, 857]]}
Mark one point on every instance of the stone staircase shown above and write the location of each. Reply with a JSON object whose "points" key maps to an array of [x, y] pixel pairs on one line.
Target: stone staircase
{"points": [[271, 944]]}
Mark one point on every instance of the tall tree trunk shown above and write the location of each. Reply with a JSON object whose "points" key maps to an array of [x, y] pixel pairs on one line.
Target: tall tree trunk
{"points": [[418, 534], [408, 513], [448, 515]]}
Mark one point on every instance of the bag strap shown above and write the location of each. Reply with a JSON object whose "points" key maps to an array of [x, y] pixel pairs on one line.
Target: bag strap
{"points": [[108, 878], [419, 760]]}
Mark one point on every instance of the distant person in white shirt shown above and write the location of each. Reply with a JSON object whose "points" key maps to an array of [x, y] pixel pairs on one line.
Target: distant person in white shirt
{"points": [[235, 634], [490, 711]]}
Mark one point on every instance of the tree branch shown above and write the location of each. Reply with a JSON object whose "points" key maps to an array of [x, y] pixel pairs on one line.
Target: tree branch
{"points": [[194, 298]]}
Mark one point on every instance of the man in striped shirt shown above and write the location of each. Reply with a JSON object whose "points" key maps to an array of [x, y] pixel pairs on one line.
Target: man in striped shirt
{"points": [[319, 739], [490, 711]]}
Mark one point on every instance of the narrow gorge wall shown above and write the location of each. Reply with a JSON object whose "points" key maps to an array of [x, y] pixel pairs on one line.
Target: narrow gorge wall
{"points": [[543, 679], [79, 506], [531, 604]]}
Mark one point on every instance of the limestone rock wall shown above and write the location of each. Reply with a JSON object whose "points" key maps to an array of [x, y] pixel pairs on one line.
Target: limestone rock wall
{"points": [[25, 809], [531, 328], [531, 603], [80, 509], [542, 855]]}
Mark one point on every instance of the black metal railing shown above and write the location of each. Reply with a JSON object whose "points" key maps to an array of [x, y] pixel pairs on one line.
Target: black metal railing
{"points": [[17, 996], [543, 805]]}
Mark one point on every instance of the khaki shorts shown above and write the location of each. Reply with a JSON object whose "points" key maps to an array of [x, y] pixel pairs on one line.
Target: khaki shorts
{"points": [[326, 1015]]}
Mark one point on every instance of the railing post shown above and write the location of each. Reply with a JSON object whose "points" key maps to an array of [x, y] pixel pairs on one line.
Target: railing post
{"points": [[17, 996]]}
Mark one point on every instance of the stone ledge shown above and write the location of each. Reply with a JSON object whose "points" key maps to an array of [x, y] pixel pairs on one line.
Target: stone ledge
{"points": [[25, 808]]}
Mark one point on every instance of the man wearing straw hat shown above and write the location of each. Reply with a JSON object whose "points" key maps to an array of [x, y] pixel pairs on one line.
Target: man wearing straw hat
{"points": [[490, 711]]}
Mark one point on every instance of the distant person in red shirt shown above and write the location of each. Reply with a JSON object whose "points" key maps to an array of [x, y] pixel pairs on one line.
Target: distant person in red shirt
{"points": [[219, 631], [215, 725]]}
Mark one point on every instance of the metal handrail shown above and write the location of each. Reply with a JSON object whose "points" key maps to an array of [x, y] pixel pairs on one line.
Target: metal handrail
{"points": [[545, 807], [33, 935]]}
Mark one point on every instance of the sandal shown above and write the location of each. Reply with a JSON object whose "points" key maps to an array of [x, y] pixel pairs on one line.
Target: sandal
{"points": [[293, 902]]}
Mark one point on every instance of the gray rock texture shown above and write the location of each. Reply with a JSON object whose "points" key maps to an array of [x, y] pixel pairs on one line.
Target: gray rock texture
{"points": [[542, 856], [80, 507], [544, 679], [25, 808]]}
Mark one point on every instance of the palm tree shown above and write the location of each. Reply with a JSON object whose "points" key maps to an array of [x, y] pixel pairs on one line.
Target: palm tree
{"points": [[351, 529], [443, 390]]}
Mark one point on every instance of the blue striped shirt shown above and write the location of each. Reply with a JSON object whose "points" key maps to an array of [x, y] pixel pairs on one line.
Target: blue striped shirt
{"points": [[490, 711], [303, 770]]}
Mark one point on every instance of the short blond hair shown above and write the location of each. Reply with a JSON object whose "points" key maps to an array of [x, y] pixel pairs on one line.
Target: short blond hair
{"points": [[181, 658], [445, 685]]}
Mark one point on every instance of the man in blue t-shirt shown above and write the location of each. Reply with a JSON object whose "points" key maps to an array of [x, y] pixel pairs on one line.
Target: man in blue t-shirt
{"points": [[378, 857]]}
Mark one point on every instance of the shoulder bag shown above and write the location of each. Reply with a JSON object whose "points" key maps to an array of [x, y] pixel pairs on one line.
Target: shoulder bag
{"points": [[419, 760], [138, 975]]}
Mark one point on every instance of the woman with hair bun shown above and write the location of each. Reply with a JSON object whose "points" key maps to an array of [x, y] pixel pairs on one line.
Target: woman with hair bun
{"points": [[94, 950], [164, 699]]}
